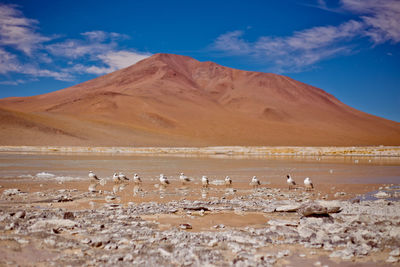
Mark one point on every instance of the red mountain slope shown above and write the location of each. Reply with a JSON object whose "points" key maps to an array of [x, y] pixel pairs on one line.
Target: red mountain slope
{"points": [[171, 100]]}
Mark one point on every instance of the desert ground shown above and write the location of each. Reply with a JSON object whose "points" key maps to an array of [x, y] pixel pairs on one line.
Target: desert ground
{"points": [[52, 213]]}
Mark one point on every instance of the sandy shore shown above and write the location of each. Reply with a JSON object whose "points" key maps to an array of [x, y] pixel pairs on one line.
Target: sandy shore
{"points": [[386, 151]]}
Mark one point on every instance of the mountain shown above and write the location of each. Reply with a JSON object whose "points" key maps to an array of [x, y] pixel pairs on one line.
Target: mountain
{"points": [[172, 100]]}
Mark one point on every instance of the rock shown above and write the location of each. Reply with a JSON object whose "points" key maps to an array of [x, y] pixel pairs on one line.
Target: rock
{"points": [[196, 208], [128, 257], [382, 194], [332, 206], [185, 226], [305, 232], [283, 253], [112, 206], [100, 241], [213, 243], [64, 199], [312, 209], [11, 192], [282, 223], [287, 208], [164, 253], [395, 252], [50, 242], [69, 215], [395, 232], [355, 200], [110, 198], [110, 246], [219, 226], [392, 259], [20, 214], [22, 241], [337, 194], [54, 224], [86, 241], [11, 226]]}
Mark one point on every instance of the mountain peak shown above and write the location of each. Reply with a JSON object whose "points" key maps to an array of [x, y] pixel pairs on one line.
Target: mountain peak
{"points": [[169, 58]]}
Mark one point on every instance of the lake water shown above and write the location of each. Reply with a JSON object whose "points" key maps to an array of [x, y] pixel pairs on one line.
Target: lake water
{"points": [[330, 170]]}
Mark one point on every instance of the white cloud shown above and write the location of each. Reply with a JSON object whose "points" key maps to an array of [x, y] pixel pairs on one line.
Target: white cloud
{"points": [[378, 20], [233, 43], [78, 48], [122, 59], [9, 63], [43, 56], [114, 60], [35, 71], [12, 82], [98, 46], [101, 36], [295, 52], [19, 32], [382, 17], [94, 43]]}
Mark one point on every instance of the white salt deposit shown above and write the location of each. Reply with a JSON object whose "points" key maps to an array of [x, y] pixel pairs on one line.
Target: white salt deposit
{"points": [[44, 175]]}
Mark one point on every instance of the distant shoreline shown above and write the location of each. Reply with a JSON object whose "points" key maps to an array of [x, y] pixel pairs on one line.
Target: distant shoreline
{"points": [[373, 151]]}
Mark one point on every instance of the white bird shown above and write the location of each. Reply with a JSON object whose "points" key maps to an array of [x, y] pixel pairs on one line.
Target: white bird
{"points": [[164, 179], [116, 178], [228, 181], [136, 179], [290, 181], [184, 178], [204, 181], [308, 184], [255, 182], [122, 176], [92, 175]]}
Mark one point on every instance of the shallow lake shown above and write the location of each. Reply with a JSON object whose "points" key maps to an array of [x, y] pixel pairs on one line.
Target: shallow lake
{"points": [[270, 170]]}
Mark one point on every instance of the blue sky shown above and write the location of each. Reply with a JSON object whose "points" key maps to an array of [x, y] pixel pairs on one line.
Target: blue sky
{"points": [[349, 48]]}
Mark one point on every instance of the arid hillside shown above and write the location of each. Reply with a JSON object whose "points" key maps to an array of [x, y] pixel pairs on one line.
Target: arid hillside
{"points": [[172, 100]]}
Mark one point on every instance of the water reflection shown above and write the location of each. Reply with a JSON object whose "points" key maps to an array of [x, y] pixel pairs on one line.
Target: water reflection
{"points": [[162, 191], [92, 187], [115, 189], [138, 191], [204, 192], [119, 188], [183, 190], [122, 187], [230, 191]]}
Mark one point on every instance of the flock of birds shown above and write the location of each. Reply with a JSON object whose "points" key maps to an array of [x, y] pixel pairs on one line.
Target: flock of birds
{"points": [[120, 177]]}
